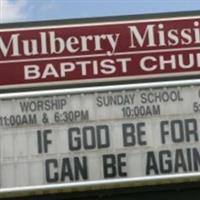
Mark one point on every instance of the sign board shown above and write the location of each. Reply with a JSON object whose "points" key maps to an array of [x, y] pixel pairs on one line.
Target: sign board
{"points": [[121, 49], [102, 136]]}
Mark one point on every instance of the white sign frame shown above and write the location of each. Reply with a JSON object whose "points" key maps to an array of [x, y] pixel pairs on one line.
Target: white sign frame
{"points": [[100, 184]]}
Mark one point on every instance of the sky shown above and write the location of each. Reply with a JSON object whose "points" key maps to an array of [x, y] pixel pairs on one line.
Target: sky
{"points": [[39, 10]]}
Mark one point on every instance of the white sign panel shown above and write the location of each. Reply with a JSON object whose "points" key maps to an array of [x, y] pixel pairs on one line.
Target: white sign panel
{"points": [[109, 105], [99, 135]]}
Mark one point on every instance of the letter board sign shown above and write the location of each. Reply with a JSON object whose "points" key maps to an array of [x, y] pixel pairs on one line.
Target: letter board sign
{"points": [[99, 137], [105, 50]]}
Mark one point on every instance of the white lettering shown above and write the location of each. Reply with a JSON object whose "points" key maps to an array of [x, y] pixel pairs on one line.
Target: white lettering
{"points": [[147, 36], [31, 72], [13, 44], [150, 66], [49, 71]]}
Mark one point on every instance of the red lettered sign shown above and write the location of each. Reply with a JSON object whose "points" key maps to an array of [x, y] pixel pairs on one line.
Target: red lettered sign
{"points": [[99, 52]]}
